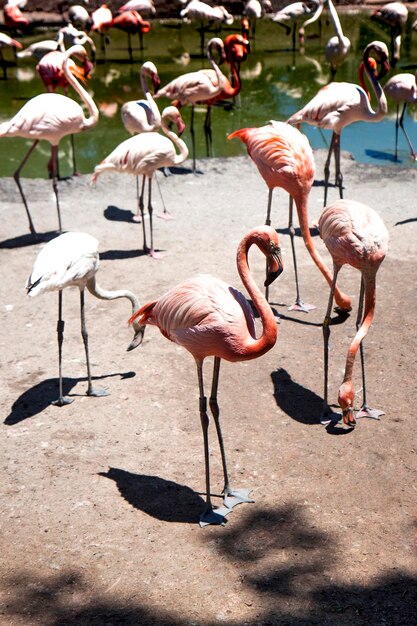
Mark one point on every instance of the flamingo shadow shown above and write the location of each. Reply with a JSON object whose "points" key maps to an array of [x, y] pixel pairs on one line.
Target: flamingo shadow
{"points": [[296, 401], [382, 156], [115, 214], [39, 397], [112, 255], [22, 241], [407, 221], [162, 499]]}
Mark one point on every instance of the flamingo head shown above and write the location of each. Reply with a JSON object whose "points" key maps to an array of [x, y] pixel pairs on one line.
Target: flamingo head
{"points": [[266, 238], [346, 398], [380, 50], [218, 44], [172, 114], [236, 48], [149, 69]]}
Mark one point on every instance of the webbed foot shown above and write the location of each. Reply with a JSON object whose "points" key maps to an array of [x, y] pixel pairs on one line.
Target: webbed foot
{"points": [[233, 497], [215, 516], [304, 307], [365, 411], [98, 393], [62, 401]]}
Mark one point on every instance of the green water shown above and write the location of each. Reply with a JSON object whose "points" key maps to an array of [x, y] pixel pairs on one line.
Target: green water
{"points": [[276, 82]]}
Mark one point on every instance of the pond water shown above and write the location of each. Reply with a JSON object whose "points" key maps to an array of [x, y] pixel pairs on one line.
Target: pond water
{"points": [[276, 82]]}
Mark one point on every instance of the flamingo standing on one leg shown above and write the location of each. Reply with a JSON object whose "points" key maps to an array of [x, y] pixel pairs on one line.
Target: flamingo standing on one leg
{"points": [[51, 71], [142, 155], [199, 86], [72, 260], [131, 23], [51, 116], [208, 317], [293, 13], [402, 89], [7, 42], [339, 104], [353, 234], [284, 159], [101, 20]]}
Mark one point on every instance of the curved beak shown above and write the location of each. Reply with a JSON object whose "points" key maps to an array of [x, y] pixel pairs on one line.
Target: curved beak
{"points": [[274, 266], [138, 337]]}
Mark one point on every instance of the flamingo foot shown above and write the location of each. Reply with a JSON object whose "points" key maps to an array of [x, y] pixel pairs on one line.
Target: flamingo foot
{"points": [[166, 215], [328, 416], [413, 156], [302, 306], [137, 219], [154, 254], [215, 516], [62, 401], [98, 393], [232, 497], [365, 411]]}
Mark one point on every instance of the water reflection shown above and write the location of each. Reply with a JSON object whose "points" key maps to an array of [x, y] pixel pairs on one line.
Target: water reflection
{"points": [[276, 82]]}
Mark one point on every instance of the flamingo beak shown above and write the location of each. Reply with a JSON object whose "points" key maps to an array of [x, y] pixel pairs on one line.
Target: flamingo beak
{"points": [[274, 266], [180, 126], [138, 337], [156, 83], [348, 418]]}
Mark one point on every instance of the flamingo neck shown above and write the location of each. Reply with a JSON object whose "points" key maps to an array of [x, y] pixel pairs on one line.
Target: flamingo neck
{"points": [[336, 21], [219, 74], [91, 121], [156, 116], [259, 346], [181, 145], [382, 108]]}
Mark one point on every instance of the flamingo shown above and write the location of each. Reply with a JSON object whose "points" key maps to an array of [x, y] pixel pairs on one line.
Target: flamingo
{"points": [[293, 13], [79, 17], [284, 159], [402, 89], [208, 317], [199, 86], [338, 46], [7, 42], [72, 260], [354, 234], [197, 10], [70, 36], [131, 22], [50, 69], [255, 10], [337, 105], [142, 155], [51, 116], [101, 20], [144, 7], [14, 18], [395, 15]]}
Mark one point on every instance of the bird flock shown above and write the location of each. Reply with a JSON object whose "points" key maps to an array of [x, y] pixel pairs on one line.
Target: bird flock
{"points": [[204, 315]]}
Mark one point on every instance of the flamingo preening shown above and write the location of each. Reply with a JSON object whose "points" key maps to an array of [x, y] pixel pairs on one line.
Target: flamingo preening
{"points": [[208, 317], [142, 155], [355, 235], [51, 116], [337, 105], [284, 159], [72, 260]]}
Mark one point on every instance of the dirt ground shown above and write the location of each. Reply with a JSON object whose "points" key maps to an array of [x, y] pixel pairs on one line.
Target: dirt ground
{"points": [[101, 498]]}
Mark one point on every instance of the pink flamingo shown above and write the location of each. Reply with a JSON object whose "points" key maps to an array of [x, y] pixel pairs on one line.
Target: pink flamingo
{"points": [[51, 116], [208, 317], [284, 159], [356, 235], [395, 15], [7, 42], [14, 18], [337, 105], [51, 71], [199, 86], [131, 23], [402, 89], [142, 116], [142, 155], [101, 20]]}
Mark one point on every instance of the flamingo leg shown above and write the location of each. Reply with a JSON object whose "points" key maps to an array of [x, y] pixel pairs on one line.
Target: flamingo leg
{"points": [[207, 132], [129, 47], [74, 163], [328, 415], [210, 515], [397, 124], [413, 155], [84, 334], [268, 223], [141, 41], [339, 175], [299, 304], [231, 497], [327, 168], [364, 411], [142, 213], [62, 400], [137, 217], [3, 64], [16, 177], [153, 253], [54, 164], [165, 215], [192, 135]]}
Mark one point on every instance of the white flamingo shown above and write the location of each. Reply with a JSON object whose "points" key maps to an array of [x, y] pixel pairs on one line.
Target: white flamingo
{"points": [[338, 46], [142, 155], [72, 260], [51, 116]]}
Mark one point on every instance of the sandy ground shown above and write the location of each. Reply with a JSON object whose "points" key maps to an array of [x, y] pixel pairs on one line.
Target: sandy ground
{"points": [[101, 498]]}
